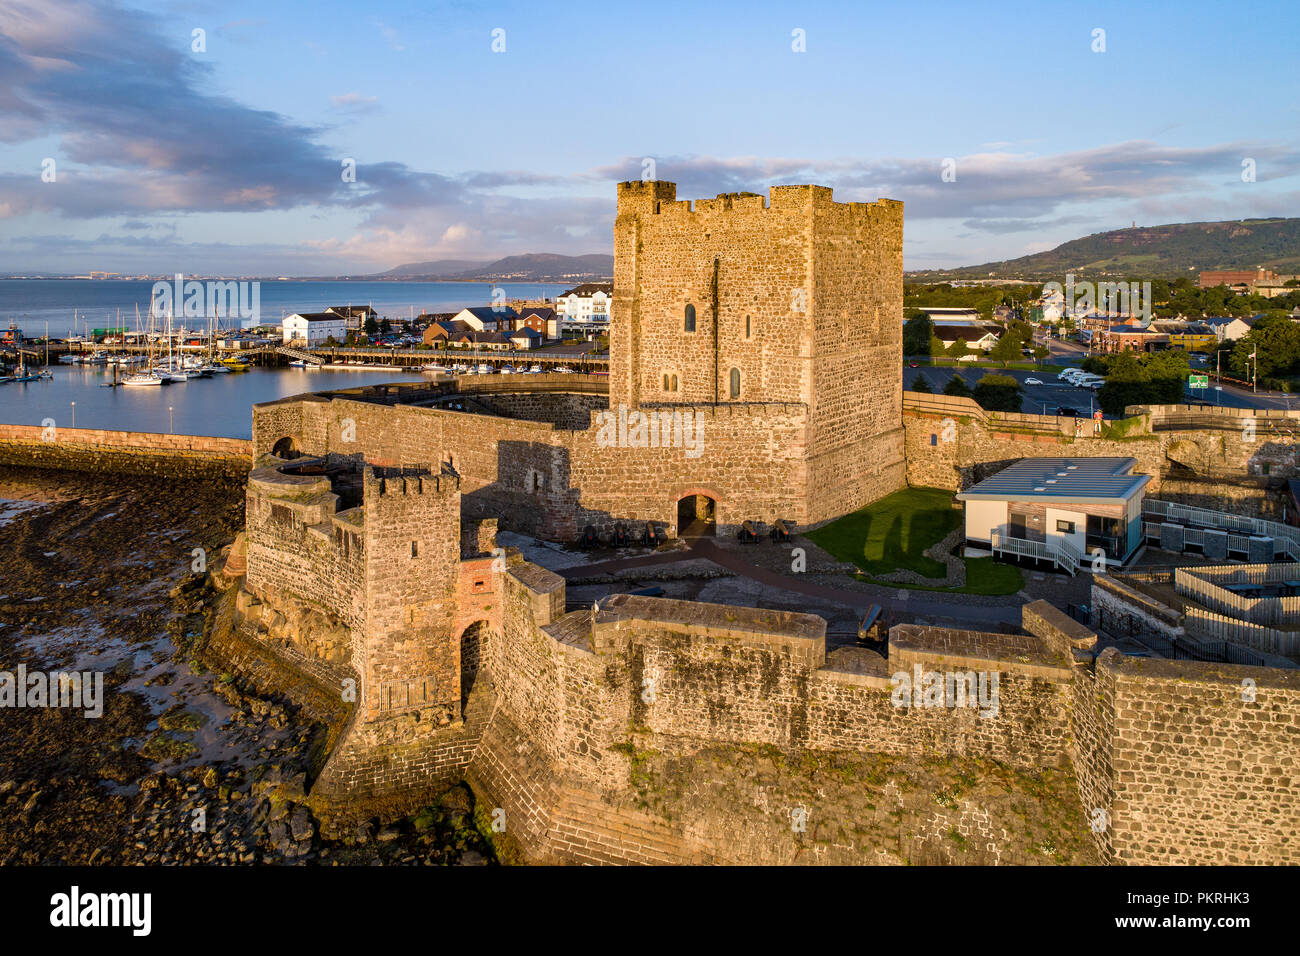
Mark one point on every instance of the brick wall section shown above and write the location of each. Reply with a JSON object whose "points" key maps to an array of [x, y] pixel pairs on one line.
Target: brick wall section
{"points": [[118, 452]]}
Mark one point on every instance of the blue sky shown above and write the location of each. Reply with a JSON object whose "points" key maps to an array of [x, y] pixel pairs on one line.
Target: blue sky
{"points": [[228, 160]]}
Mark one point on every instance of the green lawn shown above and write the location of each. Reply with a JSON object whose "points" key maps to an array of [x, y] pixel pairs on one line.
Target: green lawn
{"points": [[986, 576], [891, 534]]}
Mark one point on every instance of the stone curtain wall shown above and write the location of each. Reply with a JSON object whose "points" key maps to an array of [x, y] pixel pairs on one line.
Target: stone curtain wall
{"points": [[549, 481], [299, 546], [131, 453], [1204, 761], [953, 443]]}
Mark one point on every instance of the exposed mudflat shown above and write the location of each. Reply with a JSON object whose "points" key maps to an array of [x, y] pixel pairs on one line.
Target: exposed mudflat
{"points": [[100, 575]]}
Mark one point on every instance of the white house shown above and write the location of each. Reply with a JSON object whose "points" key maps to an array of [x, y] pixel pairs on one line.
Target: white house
{"points": [[980, 336], [589, 302], [1084, 504], [314, 328], [487, 318], [1230, 327]]}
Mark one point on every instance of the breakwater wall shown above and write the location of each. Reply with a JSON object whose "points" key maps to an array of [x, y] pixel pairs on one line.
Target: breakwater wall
{"points": [[121, 452]]}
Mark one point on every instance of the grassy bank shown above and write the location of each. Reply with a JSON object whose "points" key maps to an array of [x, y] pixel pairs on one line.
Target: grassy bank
{"points": [[892, 534]]}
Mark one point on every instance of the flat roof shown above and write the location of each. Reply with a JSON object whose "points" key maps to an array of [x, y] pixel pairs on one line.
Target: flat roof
{"points": [[1082, 480]]}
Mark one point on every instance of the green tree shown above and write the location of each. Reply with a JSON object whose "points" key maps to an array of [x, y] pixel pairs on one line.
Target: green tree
{"points": [[371, 327], [937, 346], [385, 326], [917, 333], [1276, 342], [998, 393], [921, 384], [957, 386], [1006, 349], [959, 348]]}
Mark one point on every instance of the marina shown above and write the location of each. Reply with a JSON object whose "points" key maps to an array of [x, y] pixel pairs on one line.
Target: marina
{"points": [[217, 405]]}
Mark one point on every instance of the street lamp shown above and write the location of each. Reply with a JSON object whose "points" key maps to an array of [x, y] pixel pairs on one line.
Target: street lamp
{"points": [[74, 414], [169, 420]]}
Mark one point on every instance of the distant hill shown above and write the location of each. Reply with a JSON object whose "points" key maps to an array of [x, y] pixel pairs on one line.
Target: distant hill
{"points": [[532, 267], [437, 269], [1179, 249]]}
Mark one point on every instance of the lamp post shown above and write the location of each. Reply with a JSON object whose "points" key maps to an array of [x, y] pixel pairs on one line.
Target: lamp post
{"points": [[170, 429], [74, 414]]}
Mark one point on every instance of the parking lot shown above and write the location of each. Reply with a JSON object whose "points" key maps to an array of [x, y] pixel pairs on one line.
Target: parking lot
{"points": [[1042, 399]]}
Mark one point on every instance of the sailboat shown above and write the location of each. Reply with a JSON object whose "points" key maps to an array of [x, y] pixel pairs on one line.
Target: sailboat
{"points": [[172, 369], [148, 377], [45, 371]]}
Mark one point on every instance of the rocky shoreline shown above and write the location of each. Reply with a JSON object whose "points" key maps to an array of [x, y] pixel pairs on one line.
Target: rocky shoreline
{"points": [[108, 573]]}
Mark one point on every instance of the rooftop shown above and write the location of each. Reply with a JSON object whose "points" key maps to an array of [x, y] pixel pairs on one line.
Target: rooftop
{"points": [[1081, 480]]}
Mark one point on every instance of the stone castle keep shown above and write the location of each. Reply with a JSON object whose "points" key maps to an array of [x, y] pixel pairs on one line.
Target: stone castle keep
{"points": [[370, 588]]}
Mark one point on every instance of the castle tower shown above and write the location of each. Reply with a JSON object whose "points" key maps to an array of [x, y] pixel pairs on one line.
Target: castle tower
{"points": [[795, 300], [409, 654]]}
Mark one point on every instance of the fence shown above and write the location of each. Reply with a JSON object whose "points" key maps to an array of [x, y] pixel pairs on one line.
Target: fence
{"points": [[1284, 535], [1064, 555], [1205, 640], [1192, 583], [1208, 625]]}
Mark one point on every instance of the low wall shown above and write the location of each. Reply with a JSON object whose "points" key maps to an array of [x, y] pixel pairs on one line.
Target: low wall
{"points": [[129, 453]]}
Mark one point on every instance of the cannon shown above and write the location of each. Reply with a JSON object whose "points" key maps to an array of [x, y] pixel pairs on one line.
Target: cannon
{"points": [[621, 538], [748, 534], [780, 532], [869, 626], [589, 538], [653, 536]]}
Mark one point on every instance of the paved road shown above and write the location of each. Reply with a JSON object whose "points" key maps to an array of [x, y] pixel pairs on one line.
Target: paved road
{"points": [[1038, 399]]}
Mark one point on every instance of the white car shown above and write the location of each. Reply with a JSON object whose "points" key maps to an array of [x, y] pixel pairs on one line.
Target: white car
{"points": [[1068, 372], [1032, 381]]}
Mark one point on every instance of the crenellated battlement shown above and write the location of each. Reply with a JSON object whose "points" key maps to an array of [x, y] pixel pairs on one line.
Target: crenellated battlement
{"points": [[658, 198]]}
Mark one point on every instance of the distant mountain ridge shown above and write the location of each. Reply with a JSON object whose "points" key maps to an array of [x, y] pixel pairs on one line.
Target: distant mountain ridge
{"points": [[1169, 251], [530, 267]]}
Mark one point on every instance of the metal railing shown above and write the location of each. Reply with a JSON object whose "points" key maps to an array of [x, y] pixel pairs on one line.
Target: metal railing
{"points": [[1204, 518], [1063, 555]]}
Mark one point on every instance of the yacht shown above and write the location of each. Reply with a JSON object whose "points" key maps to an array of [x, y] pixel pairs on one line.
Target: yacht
{"points": [[144, 378]]}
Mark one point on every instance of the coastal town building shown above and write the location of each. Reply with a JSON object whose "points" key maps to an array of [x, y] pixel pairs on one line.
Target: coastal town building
{"points": [[589, 302], [488, 318], [313, 328], [354, 315], [1259, 281], [1230, 327], [980, 336]]}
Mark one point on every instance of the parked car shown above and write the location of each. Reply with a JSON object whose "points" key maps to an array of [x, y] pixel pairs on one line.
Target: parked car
{"points": [[1067, 372], [1067, 411], [1033, 381]]}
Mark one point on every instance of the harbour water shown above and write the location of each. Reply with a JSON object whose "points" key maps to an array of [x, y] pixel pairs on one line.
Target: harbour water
{"points": [[103, 303], [221, 405]]}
